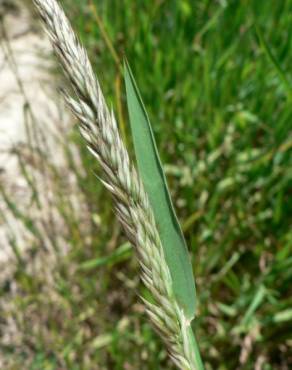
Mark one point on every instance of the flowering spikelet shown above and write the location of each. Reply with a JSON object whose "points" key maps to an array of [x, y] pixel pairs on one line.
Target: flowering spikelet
{"points": [[99, 129]]}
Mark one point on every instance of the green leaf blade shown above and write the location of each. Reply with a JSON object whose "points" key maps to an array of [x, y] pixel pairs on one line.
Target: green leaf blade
{"points": [[151, 172]]}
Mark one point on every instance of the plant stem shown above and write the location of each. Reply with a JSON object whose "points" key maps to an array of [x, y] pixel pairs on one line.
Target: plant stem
{"points": [[196, 354]]}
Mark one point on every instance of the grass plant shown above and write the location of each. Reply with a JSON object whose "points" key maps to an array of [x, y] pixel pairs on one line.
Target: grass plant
{"points": [[99, 129]]}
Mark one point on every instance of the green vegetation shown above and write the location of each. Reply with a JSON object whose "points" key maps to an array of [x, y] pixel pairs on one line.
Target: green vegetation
{"points": [[216, 80]]}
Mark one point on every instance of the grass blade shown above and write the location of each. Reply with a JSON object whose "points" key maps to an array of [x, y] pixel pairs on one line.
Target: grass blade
{"points": [[117, 256], [150, 169], [274, 61]]}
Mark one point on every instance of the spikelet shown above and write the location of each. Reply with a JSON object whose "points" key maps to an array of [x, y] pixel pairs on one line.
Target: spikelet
{"points": [[99, 129]]}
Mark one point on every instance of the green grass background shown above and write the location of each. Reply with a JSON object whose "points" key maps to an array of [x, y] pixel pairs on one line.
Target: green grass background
{"points": [[215, 77]]}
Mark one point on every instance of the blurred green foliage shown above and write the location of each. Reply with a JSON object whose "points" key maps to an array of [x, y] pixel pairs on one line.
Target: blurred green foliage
{"points": [[215, 77]]}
